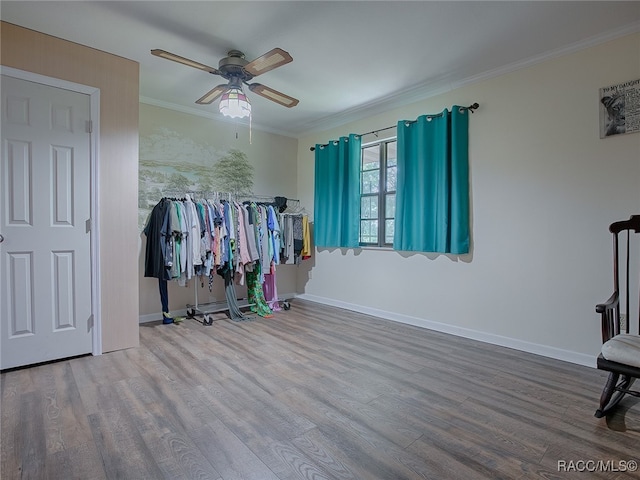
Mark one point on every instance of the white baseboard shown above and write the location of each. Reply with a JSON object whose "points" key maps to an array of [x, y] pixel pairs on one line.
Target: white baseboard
{"points": [[154, 317], [524, 346]]}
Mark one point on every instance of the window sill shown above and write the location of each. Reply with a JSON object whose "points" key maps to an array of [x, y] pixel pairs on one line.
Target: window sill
{"points": [[374, 248]]}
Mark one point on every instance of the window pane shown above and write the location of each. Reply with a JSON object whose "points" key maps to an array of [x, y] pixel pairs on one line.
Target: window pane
{"points": [[391, 154], [369, 231], [388, 231], [390, 205], [377, 194], [371, 158], [368, 207], [365, 207], [371, 181], [391, 179]]}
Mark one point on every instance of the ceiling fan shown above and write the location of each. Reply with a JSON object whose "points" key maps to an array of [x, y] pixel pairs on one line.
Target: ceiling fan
{"points": [[238, 71]]}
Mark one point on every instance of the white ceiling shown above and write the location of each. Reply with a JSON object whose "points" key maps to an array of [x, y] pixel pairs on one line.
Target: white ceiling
{"points": [[350, 59]]}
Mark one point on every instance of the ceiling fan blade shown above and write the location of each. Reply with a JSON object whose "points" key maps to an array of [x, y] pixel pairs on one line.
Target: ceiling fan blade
{"points": [[212, 94], [185, 61], [270, 60], [273, 95]]}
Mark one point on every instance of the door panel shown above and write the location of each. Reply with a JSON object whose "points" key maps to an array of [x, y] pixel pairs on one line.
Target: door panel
{"points": [[19, 182], [45, 258], [20, 302]]}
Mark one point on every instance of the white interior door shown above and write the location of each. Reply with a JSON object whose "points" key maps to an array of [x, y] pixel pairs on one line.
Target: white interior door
{"points": [[45, 254]]}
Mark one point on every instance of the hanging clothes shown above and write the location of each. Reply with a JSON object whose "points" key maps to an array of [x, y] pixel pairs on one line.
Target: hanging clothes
{"points": [[256, 295], [271, 291], [306, 238], [159, 252], [250, 230], [230, 293], [189, 238], [244, 256], [274, 234], [265, 258], [164, 300], [154, 265]]}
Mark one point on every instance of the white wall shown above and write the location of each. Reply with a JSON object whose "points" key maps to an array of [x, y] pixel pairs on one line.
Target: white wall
{"points": [[544, 188], [274, 160]]}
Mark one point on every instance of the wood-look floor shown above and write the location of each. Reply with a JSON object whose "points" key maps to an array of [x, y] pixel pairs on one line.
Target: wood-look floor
{"points": [[313, 393]]}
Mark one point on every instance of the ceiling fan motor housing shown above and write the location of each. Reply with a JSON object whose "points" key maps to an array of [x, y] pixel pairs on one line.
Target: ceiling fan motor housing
{"points": [[233, 66]]}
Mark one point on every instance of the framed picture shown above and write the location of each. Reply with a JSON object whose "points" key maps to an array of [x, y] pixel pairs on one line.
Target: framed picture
{"points": [[620, 109]]}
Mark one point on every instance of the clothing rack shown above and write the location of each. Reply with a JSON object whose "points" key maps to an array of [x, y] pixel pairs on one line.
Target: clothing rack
{"points": [[232, 303], [195, 310], [229, 196], [471, 108]]}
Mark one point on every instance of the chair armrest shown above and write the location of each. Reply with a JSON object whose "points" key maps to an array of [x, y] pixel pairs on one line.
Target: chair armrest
{"points": [[610, 313], [612, 302]]}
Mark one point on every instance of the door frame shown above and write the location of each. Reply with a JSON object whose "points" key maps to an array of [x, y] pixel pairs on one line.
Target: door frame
{"points": [[94, 139]]}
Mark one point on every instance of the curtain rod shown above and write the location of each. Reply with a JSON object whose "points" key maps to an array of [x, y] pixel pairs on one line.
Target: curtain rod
{"points": [[471, 107]]}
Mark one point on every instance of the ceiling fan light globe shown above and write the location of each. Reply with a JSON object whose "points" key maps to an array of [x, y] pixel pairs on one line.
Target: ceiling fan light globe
{"points": [[235, 104]]}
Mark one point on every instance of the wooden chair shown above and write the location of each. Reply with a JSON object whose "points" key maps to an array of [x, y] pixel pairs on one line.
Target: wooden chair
{"points": [[620, 354]]}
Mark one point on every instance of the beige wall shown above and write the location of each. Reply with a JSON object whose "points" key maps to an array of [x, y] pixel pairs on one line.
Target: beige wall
{"points": [[544, 188], [117, 79], [274, 159]]}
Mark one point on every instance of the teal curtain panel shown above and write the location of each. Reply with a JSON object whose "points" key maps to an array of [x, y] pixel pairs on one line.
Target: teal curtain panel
{"points": [[337, 193], [432, 202]]}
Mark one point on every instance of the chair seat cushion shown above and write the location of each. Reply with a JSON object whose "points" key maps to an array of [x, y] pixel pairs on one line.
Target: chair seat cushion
{"points": [[623, 348]]}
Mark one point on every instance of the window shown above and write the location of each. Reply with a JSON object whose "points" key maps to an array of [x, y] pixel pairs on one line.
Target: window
{"points": [[378, 193]]}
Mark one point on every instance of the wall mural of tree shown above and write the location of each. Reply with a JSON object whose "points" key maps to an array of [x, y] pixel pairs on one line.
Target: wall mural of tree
{"points": [[234, 174], [171, 163]]}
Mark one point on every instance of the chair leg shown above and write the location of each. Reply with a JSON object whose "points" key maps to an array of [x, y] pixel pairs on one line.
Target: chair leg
{"points": [[612, 394]]}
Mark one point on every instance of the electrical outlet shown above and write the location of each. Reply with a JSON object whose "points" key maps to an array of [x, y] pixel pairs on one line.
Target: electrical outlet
{"points": [[623, 321]]}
